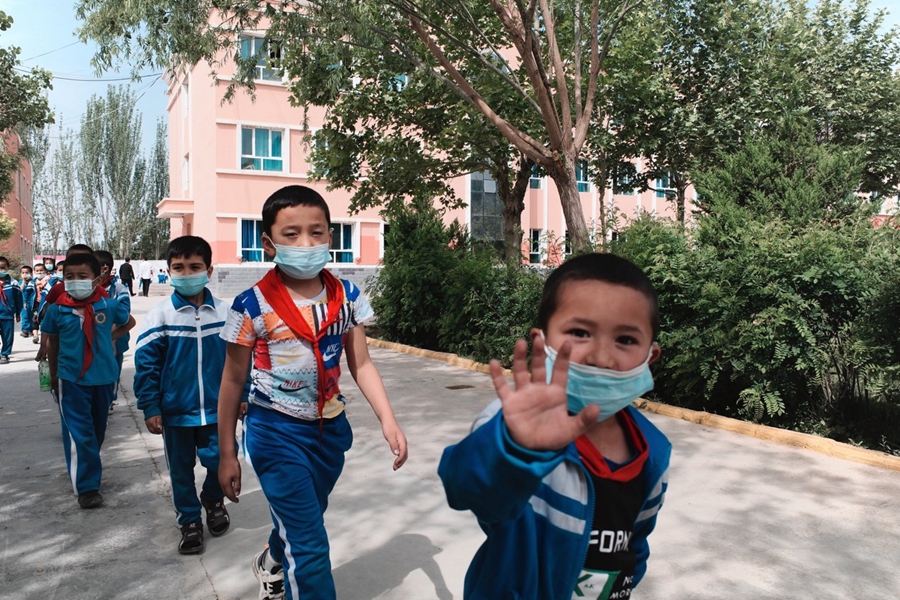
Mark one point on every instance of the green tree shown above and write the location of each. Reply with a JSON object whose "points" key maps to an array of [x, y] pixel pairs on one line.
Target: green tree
{"points": [[548, 55], [153, 233], [23, 103], [111, 170]]}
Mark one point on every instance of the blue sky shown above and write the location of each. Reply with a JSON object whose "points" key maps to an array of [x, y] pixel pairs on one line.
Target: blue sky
{"points": [[45, 33]]}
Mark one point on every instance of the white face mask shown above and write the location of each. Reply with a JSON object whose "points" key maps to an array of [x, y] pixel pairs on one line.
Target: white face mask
{"points": [[302, 262], [80, 288], [610, 390]]}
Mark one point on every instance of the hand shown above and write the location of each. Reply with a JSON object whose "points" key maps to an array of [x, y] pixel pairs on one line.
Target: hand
{"points": [[397, 441], [41, 354], [230, 477], [154, 424], [535, 413], [54, 385], [242, 410]]}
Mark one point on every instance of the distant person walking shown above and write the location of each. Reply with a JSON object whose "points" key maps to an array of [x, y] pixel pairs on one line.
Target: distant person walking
{"points": [[146, 275], [126, 274]]}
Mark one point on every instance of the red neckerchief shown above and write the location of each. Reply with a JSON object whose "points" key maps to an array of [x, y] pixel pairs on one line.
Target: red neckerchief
{"points": [[87, 325], [279, 298], [597, 465], [2, 292]]}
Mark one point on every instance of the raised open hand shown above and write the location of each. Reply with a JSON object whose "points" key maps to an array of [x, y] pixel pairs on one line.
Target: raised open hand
{"points": [[535, 412]]}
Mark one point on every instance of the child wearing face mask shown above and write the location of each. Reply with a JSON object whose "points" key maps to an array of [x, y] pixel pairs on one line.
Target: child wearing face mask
{"points": [[179, 361], [29, 293], [79, 330], [564, 476], [294, 324], [10, 310], [115, 289]]}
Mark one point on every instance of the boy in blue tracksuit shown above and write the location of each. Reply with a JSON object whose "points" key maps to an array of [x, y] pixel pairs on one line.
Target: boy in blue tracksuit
{"points": [[80, 329], [29, 293], [10, 310], [118, 291], [179, 361], [565, 477]]}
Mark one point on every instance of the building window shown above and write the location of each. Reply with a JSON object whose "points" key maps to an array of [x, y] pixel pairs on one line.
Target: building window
{"points": [[535, 181], [267, 54], [261, 149], [624, 185], [534, 253], [251, 241], [581, 176], [341, 243], [485, 208], [664, 187]]}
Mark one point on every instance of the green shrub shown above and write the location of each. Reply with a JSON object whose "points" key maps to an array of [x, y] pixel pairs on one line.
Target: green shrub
{"points": [[409, 294]]}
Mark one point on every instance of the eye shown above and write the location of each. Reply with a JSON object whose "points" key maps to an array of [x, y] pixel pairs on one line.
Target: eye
{"points": [[578, 332], [626, 340]]}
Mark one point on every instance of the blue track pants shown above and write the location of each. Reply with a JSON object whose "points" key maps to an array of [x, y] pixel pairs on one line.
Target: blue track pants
{"points": [[297, 467], [183, 445], [7, 333], [83, 411]]}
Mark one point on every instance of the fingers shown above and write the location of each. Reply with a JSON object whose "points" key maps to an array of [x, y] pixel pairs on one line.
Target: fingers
{"points": [[520, 364], [561, 366], [539, 360], [499, 379], [400, 450], [586, 418]]}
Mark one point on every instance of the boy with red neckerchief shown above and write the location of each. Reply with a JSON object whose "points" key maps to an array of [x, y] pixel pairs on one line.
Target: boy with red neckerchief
{"points": [[294, 324], [79, 329]]}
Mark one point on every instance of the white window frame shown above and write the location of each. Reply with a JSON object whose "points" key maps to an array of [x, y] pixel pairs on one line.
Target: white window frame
{"points": [[581, 169], [353, 242], [254, 154], [262, 69], [535, 246]]}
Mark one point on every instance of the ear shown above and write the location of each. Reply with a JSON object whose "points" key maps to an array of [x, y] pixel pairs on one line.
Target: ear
{"points": [[268, 246], [535, 332], [209, 272], [655, 352]]}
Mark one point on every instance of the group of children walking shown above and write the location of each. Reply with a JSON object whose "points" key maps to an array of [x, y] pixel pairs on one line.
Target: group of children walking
{"points": [[20, 301], [565, 478]]}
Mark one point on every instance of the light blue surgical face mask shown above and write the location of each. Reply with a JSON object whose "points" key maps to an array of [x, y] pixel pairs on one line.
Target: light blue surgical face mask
{"points": [[79, 288], [190, 285], [302, 262], [3, 274], [610, 390]]}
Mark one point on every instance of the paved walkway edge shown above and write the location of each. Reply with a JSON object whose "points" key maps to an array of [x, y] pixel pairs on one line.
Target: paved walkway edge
{"points": [[764, 432]]}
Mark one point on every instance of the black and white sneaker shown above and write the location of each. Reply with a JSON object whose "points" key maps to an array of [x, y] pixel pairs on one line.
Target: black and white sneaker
{"points": [[271, 583]]}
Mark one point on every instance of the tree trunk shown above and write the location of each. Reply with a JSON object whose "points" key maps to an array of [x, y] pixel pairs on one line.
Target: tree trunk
{"points": [[513, 199], [570, 200], [680, 193]]}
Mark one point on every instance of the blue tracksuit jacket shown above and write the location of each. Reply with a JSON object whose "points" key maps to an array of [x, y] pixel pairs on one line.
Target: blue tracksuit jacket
{"points": [[179, 359], [11, 308], [537, 509]]}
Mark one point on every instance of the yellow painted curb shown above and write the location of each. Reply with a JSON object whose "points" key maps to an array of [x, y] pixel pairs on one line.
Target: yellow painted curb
{"points": [[764, 432]]}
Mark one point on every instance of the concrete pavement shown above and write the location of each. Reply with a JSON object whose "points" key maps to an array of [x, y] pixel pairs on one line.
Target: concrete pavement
{"points": [[744, 518]]}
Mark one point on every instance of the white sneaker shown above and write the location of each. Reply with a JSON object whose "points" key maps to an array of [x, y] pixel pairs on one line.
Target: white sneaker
{"points": [[271, 583]]}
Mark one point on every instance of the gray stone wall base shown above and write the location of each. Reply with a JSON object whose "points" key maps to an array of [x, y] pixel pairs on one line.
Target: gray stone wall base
{"points": [[230, 280]]}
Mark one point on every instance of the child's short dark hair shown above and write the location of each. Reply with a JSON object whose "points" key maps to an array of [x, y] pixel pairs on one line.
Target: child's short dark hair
{"points": [[3, 259], [82, 259], [50, 260], [597, 267], [60, 265], [286, 197], [79, 249], [26, 268], [189, 245], [40, 264], [105, 258]]}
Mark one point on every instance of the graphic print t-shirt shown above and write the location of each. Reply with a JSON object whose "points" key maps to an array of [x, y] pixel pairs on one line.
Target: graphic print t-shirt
{"points": [[610, 563], [284, 375]]}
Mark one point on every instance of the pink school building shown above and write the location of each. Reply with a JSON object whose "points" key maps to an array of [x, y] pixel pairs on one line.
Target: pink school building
{"points": [[226, 159]]}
